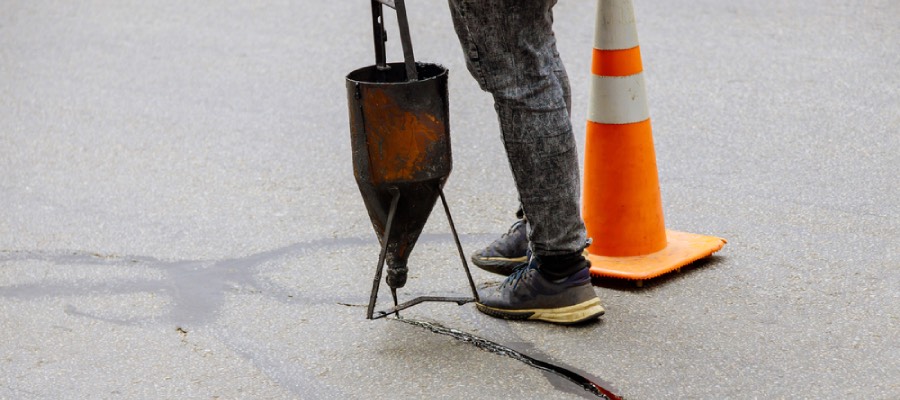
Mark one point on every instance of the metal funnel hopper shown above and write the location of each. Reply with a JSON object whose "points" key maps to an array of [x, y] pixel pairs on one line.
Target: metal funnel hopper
{"points": [[401, 147], [400, 138]]}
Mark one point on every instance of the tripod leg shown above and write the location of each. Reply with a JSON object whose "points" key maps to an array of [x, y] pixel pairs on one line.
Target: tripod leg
{"points": [[394, 295], [384, 243], [462, 256]]}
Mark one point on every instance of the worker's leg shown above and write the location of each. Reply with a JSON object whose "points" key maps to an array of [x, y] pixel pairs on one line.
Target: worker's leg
{"points": [[511, 51]]}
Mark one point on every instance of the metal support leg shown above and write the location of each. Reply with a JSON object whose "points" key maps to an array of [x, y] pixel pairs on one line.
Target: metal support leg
{"points": [[370, 314], [462, 256], [384, 243]]}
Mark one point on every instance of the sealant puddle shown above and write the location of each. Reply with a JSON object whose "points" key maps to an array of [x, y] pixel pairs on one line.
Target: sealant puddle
{"points": [[496, 348]]}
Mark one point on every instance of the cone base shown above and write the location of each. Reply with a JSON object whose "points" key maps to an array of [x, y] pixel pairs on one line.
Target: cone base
{"points": [[683, 248]]}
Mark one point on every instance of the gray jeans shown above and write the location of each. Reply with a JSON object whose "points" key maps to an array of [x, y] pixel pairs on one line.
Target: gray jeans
{"points": [[511, 50]]}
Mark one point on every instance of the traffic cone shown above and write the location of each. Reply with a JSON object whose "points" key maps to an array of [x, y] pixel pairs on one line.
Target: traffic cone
{"points": [[622, 207]]}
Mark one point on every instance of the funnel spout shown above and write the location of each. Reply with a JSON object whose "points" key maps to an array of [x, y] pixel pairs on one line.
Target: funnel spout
{"points": [[396, 274]]}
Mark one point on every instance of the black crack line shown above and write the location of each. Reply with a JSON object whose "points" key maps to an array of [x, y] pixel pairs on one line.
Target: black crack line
{"points": [[500, 349]]}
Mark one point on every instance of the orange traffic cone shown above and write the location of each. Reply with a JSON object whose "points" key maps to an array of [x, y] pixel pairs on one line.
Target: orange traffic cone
{"points": [[622, 204]]}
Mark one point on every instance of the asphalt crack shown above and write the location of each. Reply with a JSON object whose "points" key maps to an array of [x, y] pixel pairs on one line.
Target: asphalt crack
{"points": [[496, 348]]}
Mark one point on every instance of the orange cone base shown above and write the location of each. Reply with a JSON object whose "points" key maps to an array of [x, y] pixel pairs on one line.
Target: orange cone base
{"points": [[683, 248]]}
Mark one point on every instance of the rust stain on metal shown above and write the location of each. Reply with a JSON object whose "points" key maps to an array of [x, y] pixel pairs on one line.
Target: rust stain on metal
{"points": [[400, 140]]}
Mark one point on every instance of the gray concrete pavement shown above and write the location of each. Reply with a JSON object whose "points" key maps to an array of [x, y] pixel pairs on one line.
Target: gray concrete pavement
{"points": [[180, 218]]}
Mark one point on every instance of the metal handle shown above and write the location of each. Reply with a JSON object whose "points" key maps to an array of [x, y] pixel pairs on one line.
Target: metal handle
{"points": [[381, 36]]}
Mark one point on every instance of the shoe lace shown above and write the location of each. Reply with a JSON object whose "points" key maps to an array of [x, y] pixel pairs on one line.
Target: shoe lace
{"points": [[517, 274], [513, 227]]}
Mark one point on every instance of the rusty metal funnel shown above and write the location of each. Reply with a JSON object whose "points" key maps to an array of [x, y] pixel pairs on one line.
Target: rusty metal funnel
{"points": [[400, 137]]}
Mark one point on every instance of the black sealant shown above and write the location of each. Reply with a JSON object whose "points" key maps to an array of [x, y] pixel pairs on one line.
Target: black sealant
{"points": [[496, 348]]}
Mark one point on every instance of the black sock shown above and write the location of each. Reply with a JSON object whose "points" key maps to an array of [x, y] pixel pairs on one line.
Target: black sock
{"points": [[562, 266]]}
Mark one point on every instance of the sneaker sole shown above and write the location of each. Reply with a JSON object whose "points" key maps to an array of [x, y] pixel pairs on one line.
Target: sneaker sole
{"points": [[564, 315], [499, 265], [502, 265]]}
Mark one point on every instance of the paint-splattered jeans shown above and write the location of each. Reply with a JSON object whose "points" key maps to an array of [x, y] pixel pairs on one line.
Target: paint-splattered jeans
{"points": [[511, 50]]}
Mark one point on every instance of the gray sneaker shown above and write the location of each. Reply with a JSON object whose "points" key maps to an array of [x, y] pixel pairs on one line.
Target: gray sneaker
{"points": [[527, 294], [505, 254]]}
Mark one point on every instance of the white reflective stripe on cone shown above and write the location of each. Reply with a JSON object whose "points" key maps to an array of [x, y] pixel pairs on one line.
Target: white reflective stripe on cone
{"points": [[618, 99], [616, 27]]}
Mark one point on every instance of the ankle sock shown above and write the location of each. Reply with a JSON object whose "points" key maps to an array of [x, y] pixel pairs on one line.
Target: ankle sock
{"points": [[558, 268]]}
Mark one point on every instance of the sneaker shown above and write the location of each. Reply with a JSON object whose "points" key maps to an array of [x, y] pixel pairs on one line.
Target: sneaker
{"points": [[527, 294], [505, 254]]}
